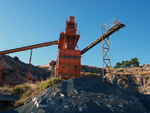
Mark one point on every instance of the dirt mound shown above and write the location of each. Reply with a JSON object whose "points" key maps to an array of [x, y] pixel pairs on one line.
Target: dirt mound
{"points": [[83, 95]]}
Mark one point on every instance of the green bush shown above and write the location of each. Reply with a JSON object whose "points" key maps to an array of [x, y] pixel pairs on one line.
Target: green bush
{"points": [[27, 90]]}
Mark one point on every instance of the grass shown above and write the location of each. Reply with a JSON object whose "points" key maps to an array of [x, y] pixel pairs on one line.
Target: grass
{"points": [[29, 89], [20, 89], [49, 82], [24, 91], [6, 90]]}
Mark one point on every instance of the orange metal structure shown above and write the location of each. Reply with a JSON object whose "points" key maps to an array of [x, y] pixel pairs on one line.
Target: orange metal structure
{"points": [[23, 49], [68, 64]]}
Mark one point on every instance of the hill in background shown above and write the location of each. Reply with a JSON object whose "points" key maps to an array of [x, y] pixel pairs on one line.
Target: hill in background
{"points": [[15, 71]]}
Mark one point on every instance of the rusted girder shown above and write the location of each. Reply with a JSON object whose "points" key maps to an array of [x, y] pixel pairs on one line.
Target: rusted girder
{"points": [[28, 47], [2, 63]]}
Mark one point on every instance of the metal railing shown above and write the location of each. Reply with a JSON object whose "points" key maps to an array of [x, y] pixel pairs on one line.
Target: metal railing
{"points": [[111, 23], [78, 32]]}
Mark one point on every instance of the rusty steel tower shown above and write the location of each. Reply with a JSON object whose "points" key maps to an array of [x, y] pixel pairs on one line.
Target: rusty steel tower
{"points": [[68, 64]]}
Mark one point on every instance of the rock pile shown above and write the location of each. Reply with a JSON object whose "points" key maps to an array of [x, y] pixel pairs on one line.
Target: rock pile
{"points": [[83, 95]]}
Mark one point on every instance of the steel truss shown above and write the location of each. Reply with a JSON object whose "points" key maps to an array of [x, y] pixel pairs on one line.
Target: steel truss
{"points": [[106, 60]]}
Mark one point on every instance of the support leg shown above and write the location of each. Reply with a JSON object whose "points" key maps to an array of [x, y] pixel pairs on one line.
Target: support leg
{"points": [[29, 66], [2, 63]]}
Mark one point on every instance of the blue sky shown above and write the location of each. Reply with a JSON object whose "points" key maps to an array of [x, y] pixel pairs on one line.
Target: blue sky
{"points": [[26, 22]]}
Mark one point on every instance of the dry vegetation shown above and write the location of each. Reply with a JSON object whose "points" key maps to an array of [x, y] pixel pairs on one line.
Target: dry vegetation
{"points": [[89, 74], [28, 89], [6, 90]]}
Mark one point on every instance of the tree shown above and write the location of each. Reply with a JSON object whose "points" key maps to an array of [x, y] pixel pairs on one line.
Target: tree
{"points": [[135, 62], [123, 64], [132, 63], [118, 65], [128, 63]]}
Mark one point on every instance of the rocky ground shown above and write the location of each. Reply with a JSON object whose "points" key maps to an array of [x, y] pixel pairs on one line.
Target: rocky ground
{"points": [[139, 78], [85, 95]]}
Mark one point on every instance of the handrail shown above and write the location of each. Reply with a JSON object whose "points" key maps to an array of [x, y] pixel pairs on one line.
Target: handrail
{"points": [[111, 22]]}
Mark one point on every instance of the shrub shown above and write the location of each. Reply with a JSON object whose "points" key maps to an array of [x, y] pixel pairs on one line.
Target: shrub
{"points": [[132, 63], [16, 58], [26, 94], [45, 84], [20, 89], [17, 90], [29, 89], [24, 91]]}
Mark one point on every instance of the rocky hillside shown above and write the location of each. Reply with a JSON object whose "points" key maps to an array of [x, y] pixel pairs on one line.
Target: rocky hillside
{"points": [[15, 71], [139, 78], [131, 79], [89, 94]]}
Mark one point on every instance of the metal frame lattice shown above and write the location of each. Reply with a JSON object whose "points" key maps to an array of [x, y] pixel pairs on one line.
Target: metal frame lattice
{"points": [[106, 61]]}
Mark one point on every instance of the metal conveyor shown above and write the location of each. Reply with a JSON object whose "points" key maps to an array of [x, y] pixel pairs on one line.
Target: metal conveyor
{"points": [[28, 47], [110, 31]]}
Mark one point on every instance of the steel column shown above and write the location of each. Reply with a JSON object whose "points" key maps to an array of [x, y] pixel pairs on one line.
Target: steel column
{"points": [[106, 62], [29, 66], [2, 63]]}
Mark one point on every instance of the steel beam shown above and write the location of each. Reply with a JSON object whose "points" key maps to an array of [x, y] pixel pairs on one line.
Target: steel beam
{"points": [[28, 47]]}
